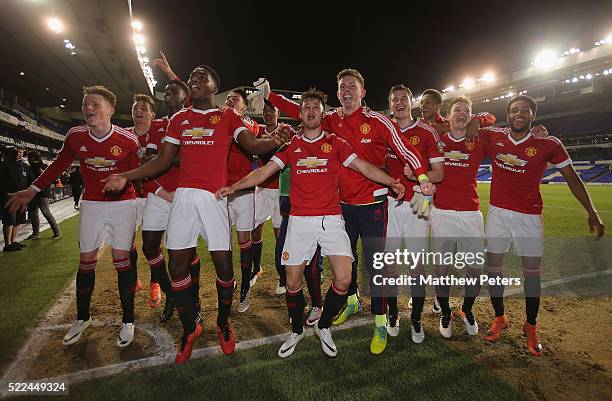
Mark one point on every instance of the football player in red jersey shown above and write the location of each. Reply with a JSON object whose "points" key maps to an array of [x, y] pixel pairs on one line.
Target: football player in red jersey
{"points": [[519, 160], [456, 220], [157, 208], [317, 159], [266, 194], [143, 112], [242, 204], [363, 202], [102, 149], [404, 224], [430, 105], [203, 134]]}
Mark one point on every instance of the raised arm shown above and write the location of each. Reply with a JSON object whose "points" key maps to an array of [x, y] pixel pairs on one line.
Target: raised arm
{"points": [[163, 64], [289, 107]]}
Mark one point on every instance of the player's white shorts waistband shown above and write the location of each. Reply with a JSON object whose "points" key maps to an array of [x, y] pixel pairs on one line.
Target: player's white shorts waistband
{"points": [[111, 223], [525, 231], [305, 232], [197, 212]]}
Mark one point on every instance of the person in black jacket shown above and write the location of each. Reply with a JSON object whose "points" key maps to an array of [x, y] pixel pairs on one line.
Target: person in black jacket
{"points": [[40, 200], [76, 182], [15, 175]]}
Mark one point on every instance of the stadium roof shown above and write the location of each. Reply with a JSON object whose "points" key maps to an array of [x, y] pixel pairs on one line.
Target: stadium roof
{"points": [[39, 63]]}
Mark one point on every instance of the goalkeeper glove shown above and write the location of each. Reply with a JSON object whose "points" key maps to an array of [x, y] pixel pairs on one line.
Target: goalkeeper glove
{"points": [[420, 203]]}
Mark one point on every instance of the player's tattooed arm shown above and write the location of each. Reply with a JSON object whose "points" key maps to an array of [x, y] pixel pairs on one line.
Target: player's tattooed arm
{"points": [[256, 177], [580, 192]]}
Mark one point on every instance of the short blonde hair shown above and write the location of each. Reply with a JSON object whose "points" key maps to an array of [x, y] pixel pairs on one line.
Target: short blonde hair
{"points": [[102, 91]]}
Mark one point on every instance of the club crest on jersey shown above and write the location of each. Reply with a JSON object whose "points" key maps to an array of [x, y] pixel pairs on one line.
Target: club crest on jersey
{"points": [[198, 133], [414, 140], [311, 162], [455, 155], [100, 162], [247, 121], [469, 146], [116, 150], [531, 151], [326, 148], [215, 119], [440, 146], [365, 128], [510, 160]]}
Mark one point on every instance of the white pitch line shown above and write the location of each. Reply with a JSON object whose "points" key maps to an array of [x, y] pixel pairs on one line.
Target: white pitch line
{"points": [[167, 358], [163, 340], [575, 209], [28, 353], [566, 280]]}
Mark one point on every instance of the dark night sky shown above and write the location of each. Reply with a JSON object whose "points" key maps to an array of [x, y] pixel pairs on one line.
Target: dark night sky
{"points": [[305, 43]]}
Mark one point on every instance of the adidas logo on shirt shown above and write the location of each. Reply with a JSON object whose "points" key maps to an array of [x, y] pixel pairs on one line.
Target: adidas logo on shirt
{"points": [[186, 122], [83, 149], [161, 129], [298, 150]]}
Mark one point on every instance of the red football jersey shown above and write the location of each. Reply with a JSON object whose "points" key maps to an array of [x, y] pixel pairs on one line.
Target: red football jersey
{"points": [[458, 189], [157, 132], [204, 137], [143, 141], [427, 141], [169, 179], [272, 182], [240, 162], [369, 134], [518, 167], [316, 166], [114, 153]]}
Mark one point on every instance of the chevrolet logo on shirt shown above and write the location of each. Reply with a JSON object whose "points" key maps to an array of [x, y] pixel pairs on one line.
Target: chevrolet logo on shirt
{"points": [[511, 160], [455, 155], [311, 162], [100, 162], [198, 133]]}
